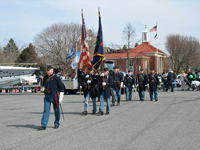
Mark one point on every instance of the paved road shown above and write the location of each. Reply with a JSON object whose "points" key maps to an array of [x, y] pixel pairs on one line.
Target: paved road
{"points": [[171, 123]]}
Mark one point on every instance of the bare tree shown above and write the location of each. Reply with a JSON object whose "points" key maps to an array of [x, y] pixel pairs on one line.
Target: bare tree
{"points": [[183, 50], [128, 35], [54, 42]]}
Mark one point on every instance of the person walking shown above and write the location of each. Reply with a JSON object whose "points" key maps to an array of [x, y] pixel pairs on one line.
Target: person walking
{"points": [[129, 83], [107, 82], [118, 84], [141, 81], [90, 91], [153, 83], [54, 91]]}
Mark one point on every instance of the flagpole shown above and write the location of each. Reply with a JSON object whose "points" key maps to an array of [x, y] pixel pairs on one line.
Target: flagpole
{"points": [[157, 46]]}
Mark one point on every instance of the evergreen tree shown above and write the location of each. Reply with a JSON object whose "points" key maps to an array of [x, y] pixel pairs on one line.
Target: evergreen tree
{"points": [[28, 55], [10, 48]]}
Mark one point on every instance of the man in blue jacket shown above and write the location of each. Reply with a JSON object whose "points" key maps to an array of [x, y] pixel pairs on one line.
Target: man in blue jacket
{"points": [[169, 81], [54, 91], [153, 82]]}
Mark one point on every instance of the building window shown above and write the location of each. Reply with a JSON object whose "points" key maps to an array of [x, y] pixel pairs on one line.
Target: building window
{"points": [[130, 62]]}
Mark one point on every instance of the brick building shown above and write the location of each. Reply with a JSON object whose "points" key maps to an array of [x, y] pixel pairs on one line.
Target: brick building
{"points": [[143, 56]]}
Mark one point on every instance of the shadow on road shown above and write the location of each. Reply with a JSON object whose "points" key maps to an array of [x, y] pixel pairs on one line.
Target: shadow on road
{"points": [[24, 126]]}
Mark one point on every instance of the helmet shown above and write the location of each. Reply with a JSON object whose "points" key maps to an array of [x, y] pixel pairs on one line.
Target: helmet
{"points": [[190, 76]]}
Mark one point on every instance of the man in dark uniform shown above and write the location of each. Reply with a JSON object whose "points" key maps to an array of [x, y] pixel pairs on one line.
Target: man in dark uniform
{"points": [[54, 91], [169, 81], [141, 82], [112, 92], [90, 91], [107, 82], [153, 82], [118, 84], [129, 82]]}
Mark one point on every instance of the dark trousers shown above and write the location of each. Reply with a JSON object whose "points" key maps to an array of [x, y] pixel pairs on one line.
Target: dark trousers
{"points": [[169, 84]]}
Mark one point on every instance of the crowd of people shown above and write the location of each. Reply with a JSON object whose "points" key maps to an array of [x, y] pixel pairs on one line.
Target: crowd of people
{"points": [[109, 84], [169, 79]]}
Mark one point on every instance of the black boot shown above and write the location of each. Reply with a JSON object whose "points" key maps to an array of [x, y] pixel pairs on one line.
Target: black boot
{"points": [[113, 102], [118, 101]]}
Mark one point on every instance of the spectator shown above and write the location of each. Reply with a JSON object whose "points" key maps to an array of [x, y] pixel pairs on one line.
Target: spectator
{"points": [[174, 77], [169, 81], [183, 76], [164, 80]]}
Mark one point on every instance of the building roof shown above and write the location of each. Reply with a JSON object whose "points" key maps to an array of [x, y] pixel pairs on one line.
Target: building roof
{"points": [[141, 50]]}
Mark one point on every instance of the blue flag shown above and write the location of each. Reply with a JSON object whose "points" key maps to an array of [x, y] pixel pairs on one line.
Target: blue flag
{"points": [[70, 53], [98, 56]]}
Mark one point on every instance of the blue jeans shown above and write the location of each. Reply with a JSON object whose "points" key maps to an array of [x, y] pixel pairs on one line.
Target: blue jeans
{"points": [[128, 92], [48, 99], [87, 100], [141, 94], [118, 93], [101, 107], [174, 82], [155, 94]]}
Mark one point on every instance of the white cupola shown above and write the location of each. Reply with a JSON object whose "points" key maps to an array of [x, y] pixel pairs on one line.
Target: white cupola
{"points": [[145, 36]]}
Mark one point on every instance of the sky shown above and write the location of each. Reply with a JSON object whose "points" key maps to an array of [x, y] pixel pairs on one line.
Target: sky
{"points": [[22, 20]]}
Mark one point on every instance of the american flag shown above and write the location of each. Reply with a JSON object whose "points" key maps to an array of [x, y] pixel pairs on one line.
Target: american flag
{"points": [[84, 61], [154, 29]]}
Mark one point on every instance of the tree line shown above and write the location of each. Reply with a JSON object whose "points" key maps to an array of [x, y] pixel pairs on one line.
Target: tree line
{"points": [[52, 44]]}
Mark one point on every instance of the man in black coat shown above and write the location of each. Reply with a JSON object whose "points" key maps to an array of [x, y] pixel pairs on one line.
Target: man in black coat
{"points": [[153, 83], [106, 82], [141, 81], [129, 83]]}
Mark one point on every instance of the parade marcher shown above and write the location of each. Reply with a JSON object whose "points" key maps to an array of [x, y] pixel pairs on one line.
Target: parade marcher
{"points": [[107, 82], [118, 84], [129, 83], [141, 81], [54, 91], [169, 81], [90, 91], [153, 82], [83, 83], [182, 78], [112, 92]]}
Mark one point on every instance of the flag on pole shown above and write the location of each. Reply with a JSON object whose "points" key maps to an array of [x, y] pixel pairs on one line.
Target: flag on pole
{"points": [[70, 53], [154, 29], [84, 61], [75, 60], [98, 56]]}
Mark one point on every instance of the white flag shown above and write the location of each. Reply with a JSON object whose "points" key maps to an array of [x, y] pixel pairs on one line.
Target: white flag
{"points": [[74, 64]]}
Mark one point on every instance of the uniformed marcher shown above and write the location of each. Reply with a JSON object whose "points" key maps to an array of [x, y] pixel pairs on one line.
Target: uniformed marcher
{"points": [[54, 91], [153, 83], [107, 82], [112, 92], [90, 91], [118, 84], [141, 81], [129, 83]]}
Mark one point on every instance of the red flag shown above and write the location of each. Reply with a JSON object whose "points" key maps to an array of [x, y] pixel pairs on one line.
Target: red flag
{"points": [[84, 61]]}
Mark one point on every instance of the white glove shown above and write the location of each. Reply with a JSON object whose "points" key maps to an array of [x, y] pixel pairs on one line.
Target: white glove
{"points": [[88, 81], [133, 86], [124, 86], [103, 83], [80, 87], [147, 85], [42, 89], [87, 76], [61, 97], [102, 75], [121, 84]]}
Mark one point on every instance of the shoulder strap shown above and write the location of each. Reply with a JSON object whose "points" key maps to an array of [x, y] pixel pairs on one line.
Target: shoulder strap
{"points": [[49, 78]]}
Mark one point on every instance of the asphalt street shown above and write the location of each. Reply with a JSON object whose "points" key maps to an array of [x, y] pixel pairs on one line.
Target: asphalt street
{"points": [[172, 123]]}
